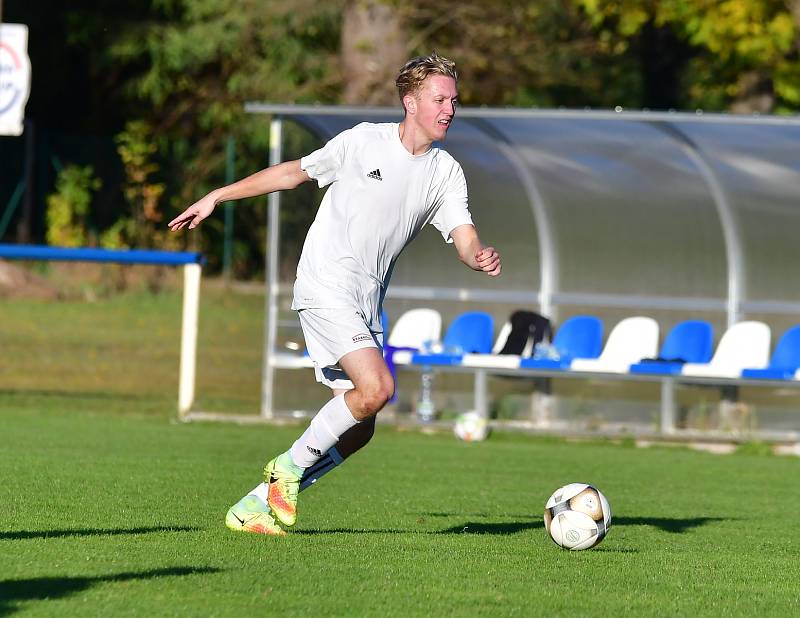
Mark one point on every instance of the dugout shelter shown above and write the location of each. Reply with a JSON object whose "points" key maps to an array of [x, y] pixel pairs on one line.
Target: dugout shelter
{"points": [[670, 215]]}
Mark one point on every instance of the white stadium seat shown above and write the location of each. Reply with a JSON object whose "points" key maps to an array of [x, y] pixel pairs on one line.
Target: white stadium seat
{"points": [[630, 341], [415, 329], [494, 360], [743, 345]]}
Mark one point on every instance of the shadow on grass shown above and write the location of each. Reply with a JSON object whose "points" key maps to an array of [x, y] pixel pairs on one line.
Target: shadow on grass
{"points": [[41, 588], [667, 524], [493, 528], [76, 395], [459, 515], [321, 531], [47, 534], [468, 528]]}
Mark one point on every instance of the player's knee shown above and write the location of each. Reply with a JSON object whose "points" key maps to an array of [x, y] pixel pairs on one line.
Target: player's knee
{"points": [[387, 389], [378, 398], [377, 394]]}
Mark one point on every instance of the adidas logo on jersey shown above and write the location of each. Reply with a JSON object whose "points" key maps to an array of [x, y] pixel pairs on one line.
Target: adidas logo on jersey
{"points": [[375, 174]]}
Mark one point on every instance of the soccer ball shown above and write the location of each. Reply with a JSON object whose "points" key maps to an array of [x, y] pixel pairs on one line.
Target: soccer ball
{"points": [[471, 427], [577, 516]]}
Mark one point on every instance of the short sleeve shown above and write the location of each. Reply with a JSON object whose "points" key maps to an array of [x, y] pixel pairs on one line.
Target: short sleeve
{"points": [[325, 165], [454, 210]]}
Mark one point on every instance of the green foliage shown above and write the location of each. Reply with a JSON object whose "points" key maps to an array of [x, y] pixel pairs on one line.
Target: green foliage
{"points": [[191, 65], [143, 227], [68, 209], [196, 63], [743, 53], [520, 54], [186, 68]]}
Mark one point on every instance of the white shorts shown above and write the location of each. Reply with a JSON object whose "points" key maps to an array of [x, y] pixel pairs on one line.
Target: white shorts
{"points": [[332, 333]]}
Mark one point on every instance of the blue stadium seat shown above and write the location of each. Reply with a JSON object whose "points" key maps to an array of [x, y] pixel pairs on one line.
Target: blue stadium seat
{"points": [[785, 361], [580, 336], [470, 333], [691, 341]]}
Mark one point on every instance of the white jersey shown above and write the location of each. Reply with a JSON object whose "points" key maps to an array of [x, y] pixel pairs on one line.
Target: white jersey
{"points": [[380, 197]]}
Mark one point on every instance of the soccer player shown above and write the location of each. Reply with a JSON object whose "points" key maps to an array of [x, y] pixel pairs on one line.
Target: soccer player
{"points": [[386, 182]]}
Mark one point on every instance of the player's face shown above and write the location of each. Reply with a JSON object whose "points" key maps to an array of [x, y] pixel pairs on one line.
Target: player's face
{"points": [[436, 105]]}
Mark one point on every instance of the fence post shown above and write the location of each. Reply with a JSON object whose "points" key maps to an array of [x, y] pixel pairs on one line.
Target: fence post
{"points": [[191, 308], [272, 257]]}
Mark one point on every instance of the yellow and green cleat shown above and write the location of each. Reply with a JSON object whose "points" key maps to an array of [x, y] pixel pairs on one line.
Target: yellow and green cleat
{"points": [[283, 477], [250, 514]]}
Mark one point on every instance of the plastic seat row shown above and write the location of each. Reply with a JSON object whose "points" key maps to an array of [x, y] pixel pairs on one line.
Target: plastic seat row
{"points": [[632, 347]]}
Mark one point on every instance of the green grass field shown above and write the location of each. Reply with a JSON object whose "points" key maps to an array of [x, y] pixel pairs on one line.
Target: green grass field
{"points": [[122, 353], [109, 507], [122, 515]]}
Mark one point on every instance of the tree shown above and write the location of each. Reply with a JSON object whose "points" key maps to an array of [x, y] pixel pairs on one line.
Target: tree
{"points": [[202, 59], [373, 45], [143, 226], [519, 53], [740, 55], [184, 68], [193, 65], [69, 207]]}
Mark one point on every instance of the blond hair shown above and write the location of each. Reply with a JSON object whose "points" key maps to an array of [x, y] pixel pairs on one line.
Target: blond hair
{"points": [[416, 71]]}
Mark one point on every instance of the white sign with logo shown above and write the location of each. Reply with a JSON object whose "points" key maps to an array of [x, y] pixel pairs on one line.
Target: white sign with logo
{"points": [[15, 77]]}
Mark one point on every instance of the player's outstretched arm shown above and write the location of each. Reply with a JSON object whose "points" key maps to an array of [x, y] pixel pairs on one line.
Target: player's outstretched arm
{"points": [[473, 253], [282, 176]]}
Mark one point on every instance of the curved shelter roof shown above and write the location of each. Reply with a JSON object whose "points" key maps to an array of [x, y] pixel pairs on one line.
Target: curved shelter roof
{"points": [[696, 213]]}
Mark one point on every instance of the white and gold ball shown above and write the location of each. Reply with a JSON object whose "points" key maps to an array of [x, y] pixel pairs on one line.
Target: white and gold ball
{"points": [[471, 427], [577, 516]]}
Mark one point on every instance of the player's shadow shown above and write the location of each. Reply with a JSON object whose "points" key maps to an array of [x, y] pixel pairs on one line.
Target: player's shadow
{"points": [[324, 531], [459, 515], [49, 534], [667, 524], [493, 528], [467, 528], [14, 591]]}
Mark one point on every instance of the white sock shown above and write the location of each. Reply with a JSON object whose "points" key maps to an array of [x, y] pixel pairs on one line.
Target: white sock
{"points": [[260, 491], [329, 423]]}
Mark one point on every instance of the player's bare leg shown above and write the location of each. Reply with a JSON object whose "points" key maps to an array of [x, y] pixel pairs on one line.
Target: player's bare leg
{"points": [[251, 513], [373, 387]]}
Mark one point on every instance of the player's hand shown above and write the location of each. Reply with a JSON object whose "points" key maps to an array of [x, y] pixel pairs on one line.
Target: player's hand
{"points": [[489, 261], [193, 215]]}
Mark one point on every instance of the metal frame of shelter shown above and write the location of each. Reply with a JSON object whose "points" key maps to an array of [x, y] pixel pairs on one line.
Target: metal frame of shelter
{"points": [[548, 296]]}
